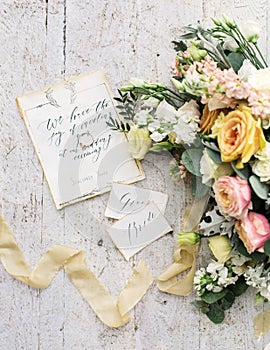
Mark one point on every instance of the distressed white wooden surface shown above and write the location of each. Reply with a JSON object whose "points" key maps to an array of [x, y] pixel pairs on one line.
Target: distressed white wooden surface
{"points": [[42, 42]]}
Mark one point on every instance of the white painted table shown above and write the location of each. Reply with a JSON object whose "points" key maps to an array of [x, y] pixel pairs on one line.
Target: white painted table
{"points": [[45, 41]]}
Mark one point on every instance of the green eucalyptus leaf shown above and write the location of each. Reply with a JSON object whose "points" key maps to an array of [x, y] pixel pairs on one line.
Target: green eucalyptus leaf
{"points": [[243, 173], [215, 313], [236, 60], [215, 156], [261, 189], [191, 159], [211, 297]]}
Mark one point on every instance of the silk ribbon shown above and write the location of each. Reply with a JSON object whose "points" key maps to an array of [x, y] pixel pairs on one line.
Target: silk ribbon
{"points": [[113, 314]]}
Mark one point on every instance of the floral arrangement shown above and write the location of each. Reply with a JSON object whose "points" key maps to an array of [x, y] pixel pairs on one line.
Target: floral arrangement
{"points": [[215, 121]]}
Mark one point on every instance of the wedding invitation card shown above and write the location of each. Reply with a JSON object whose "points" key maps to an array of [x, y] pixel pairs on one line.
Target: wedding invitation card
{"points": [[80, 154]]}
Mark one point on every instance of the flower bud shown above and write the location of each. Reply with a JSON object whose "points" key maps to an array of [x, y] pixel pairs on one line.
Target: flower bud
{"points": [[177, 84], [188, 238], [216, 21], [127, 88]]}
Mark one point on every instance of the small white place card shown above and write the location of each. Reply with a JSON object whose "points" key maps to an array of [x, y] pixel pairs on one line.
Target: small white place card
{"points": [[125, 199], [135, 231], [80, 154]]}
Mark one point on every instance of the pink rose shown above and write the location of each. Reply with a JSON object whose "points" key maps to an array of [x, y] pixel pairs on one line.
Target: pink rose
{"points": [[254, 231], [233, 196]]}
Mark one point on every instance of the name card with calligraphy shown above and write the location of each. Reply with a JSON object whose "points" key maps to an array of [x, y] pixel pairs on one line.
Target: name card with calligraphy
{"points": [[80, 154], [137, 230]]}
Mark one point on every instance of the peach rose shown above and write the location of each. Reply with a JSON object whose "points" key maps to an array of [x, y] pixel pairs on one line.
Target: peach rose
{"points": [[208, 119], [233, 196], [240, 136], [254, 231]]}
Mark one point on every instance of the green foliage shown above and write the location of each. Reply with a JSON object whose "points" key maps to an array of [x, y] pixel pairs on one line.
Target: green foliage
{"points": [[118, 125], [242, 250], [267, 247], [127, 104], [239, 287], [214, 304], [214, 155], [243, 173], [261, 189], [236, 60], [165, 146], [215, 313], [179, 45], [191, 159], [211, 297]]}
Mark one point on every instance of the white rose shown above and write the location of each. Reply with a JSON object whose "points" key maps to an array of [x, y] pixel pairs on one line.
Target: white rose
{"points": [[139, 142], [262, 169], [261, 166], [246, 70], [251, 31]]}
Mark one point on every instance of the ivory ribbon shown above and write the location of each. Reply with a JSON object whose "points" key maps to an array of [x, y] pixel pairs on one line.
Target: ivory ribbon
{"points": [[113, 314], [184, 259], [185, 256], [262, 323]]}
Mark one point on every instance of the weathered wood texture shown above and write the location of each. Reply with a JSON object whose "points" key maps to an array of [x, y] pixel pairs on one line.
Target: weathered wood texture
{"points": [[44, 41]]}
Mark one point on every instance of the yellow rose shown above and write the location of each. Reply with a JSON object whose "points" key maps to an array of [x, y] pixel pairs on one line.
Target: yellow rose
{"points": [[240, 136], [139, 142]]}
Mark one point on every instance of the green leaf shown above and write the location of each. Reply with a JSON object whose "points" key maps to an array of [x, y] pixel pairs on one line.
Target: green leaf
{"points": [[198, 303], [191, 159], [239, 287], [236, 60], [243, 173], [227, 301], [258, 187], [211, 297], [242, 250], [267, 247], [215, 314], [215, 156], [179, 45]]}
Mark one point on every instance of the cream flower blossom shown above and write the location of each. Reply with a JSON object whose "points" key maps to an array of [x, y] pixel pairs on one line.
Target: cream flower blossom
{"points": [[261, 166]]}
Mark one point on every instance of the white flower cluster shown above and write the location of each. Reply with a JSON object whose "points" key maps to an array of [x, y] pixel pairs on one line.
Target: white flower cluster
{"points": [[180, 125], [214, 278], [259, 279]]}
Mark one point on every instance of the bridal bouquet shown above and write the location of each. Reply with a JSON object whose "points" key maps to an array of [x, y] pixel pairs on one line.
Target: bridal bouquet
{"points": [[215, 121]]}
